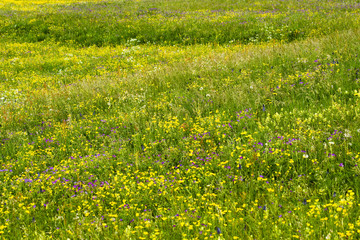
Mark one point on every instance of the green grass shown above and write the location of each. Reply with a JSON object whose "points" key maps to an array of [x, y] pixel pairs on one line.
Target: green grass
{"points": [[168, 119]]}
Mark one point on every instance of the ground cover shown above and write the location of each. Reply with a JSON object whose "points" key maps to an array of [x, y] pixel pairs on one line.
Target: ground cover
{"points": [[179, 119]]}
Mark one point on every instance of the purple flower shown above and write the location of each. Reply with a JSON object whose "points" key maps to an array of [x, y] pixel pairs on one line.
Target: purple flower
{"points": [[341, 165]]}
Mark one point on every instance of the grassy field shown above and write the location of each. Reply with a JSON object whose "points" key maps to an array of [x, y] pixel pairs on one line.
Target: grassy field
{"points": [[169, 119]]}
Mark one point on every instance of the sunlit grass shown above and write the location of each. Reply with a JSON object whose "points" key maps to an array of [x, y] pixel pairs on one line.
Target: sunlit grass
{"points": [[171, 128]]}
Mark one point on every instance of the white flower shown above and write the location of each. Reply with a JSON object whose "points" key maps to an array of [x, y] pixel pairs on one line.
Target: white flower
{"points": [[305, 156], [347, 133], [331, 143], [328, 236], [207, 95], [201, 88]]}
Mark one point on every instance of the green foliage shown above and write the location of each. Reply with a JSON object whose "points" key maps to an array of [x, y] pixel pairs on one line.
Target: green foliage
{"points": [[165, 119], [112, 23]]}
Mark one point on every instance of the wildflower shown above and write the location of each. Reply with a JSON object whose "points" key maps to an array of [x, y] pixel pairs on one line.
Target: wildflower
{"points": [[218, 230], [341, 165], [347, 133]]}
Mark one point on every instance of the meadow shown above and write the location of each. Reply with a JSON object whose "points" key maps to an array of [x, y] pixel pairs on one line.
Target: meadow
{"points": [[179, 119]]}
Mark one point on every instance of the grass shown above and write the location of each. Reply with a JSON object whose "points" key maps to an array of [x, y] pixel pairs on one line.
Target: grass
{"points": [[168, 119]]}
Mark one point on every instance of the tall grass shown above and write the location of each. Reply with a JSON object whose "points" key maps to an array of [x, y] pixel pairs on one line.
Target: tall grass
{"points": [[167, 119]]}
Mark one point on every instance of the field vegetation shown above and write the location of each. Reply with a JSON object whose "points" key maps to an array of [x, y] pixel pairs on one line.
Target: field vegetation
{"points": [[169, 119]]}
